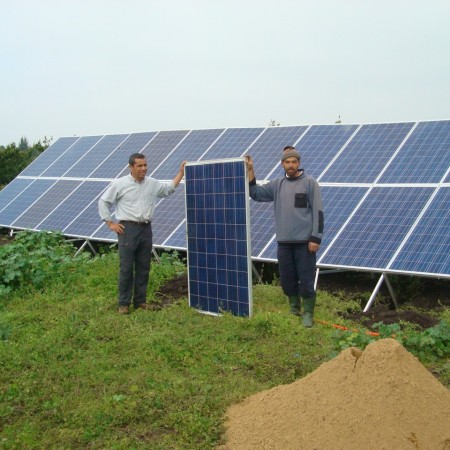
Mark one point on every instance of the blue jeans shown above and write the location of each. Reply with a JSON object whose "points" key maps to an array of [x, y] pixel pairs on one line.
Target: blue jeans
{"points": [[135, 254], [297, 268]]}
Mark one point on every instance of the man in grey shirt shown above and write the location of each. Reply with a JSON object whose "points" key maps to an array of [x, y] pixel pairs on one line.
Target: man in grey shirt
{"points": [[299, 225], [134, 197]]}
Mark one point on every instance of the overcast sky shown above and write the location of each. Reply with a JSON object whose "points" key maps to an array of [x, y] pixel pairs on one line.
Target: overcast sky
{"points": [[91, 67]]}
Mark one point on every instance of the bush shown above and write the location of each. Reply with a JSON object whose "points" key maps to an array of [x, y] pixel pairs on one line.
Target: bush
{"points": [[32, 259]]}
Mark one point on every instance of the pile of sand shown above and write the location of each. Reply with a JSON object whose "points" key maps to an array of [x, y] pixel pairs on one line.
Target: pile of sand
{"points": [[381, 399]]}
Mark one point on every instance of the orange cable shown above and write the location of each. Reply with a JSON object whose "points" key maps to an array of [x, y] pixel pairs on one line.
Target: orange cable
{"points": [[340, 327]]}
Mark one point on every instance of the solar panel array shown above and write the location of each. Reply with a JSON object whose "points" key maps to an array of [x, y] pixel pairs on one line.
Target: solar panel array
{"points": [[385, 188]]}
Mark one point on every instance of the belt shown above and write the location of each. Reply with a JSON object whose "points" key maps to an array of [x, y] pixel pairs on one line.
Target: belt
{"points": [[132, 222]]}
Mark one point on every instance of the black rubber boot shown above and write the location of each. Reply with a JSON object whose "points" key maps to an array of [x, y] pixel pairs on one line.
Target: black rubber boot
{"points": [[295, 303], [308, 315]]}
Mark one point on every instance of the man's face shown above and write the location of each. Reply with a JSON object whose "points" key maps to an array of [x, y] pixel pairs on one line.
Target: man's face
{"points": [[290, 166], [139, 169]]}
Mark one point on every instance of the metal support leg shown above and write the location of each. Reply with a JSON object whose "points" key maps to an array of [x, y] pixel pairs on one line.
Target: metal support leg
{"points": [[377, 288], [374, 293], [81, 248], [257, 274], [88, 243], [391, 291], [155, 254], [316, 279]]}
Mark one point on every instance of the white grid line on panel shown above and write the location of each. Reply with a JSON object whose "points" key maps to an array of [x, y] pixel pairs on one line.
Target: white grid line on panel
{"points": [[170, 153], [23, 212], [339, 152], [114, 149], [396, 151], [61, 155]]}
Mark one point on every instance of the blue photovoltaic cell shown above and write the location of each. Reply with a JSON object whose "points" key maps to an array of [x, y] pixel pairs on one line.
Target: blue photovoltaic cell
{"points": [[42, 207], [23, 201], [86, 223], [427, 249], [367, 153], [270, 252], [191, 149], [266, 151], [169, 213], [92, 159], [12, 190], [317, 147], [68, 210], [339, 202], [263, 226], [178, 239], [71, 156], [104, 233], [378, 227], [424, 158], [233, 143], [117, 162], [218, 251], [49, 156], [159, 148]]}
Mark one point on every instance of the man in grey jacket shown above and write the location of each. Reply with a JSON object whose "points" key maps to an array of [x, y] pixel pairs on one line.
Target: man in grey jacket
{"points": [[134, 197], [299, 223]]}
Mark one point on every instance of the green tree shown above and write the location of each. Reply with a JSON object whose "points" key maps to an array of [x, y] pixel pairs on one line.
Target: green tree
{"points": [[23, 144], [13, 158]]}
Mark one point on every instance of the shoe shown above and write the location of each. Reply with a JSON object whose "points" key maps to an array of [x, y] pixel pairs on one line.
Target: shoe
{"points": [[124, 310], [148, 307]]}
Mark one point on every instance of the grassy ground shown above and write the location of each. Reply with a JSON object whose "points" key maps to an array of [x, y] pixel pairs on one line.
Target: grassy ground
{"points": [[75, 374]]}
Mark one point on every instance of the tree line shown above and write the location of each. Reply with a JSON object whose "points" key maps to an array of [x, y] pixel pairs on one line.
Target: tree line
{"points": [[15, 157]]}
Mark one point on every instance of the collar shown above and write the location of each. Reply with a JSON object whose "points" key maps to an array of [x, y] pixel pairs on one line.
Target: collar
{"points": [[299, 174]]}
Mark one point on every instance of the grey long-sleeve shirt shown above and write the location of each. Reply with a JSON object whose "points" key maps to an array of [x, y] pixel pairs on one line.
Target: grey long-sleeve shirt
{"points": [[133, 200], [297, 206]]}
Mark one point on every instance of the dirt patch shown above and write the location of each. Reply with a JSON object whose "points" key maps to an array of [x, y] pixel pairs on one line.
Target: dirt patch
{"points": [[173, 290], [381, 398], [382, 313]]}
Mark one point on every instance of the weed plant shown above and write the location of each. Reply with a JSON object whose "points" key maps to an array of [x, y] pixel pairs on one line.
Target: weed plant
{"points": [[76, 374]]}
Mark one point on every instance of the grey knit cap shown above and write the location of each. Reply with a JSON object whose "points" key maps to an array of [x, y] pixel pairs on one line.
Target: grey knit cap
{"points": [[290, 154]]}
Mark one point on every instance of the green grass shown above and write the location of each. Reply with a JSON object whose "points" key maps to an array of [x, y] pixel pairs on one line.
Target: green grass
{"points": [[76, 374]]}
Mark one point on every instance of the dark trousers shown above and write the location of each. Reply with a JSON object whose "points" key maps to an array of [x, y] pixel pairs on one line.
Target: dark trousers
{"points": [[135, 254], [297, 268]]}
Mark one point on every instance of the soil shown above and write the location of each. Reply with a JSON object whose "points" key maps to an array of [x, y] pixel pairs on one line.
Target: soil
{"points": [[380, 399], [357, 288]]}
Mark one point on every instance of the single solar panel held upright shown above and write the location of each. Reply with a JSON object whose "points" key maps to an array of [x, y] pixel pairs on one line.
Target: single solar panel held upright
{"points": [[218, 236]]}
